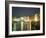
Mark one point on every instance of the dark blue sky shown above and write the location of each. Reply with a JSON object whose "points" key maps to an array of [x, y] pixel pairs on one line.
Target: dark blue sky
{"points": [[23, 11]]}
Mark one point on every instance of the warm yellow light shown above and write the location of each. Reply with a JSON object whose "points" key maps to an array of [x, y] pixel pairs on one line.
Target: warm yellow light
{"points": [[36, 18]]}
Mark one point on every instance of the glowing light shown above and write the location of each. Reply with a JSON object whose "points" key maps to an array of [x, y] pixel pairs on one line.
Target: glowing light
{"points": [[16, 19], [22, 18], [36, 18]]}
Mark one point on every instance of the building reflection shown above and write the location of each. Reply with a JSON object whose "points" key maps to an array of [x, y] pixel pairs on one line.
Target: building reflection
{"points": [[26, 23]]}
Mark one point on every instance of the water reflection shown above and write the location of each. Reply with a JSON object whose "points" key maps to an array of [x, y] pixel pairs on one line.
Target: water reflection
{"points": [[26, 23]]}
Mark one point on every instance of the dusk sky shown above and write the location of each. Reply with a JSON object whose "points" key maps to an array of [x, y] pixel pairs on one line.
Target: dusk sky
{"points": [[23, 11]]}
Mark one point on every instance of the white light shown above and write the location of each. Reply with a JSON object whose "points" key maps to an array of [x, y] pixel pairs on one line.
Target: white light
{"points": [[22, 18], [16, 19]]}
